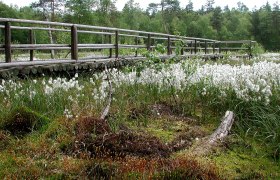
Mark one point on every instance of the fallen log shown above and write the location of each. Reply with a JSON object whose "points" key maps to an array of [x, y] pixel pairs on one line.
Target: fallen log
{"points": [[209, 143]]}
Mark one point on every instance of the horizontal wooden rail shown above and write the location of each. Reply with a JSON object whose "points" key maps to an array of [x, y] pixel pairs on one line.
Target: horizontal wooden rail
{"points": [[132, 35], [112, 39], [132, 46], [98, 28], [237, 42], [237, 49]]}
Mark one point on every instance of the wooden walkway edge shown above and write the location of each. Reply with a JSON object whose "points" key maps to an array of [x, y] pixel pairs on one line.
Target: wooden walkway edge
{"points": [[8, 70]]}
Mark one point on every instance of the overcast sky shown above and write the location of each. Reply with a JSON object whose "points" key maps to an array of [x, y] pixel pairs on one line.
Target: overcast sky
{"points": [[144, 3]]}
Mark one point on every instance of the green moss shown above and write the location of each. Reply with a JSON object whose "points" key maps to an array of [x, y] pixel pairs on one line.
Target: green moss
{"points": [[24, 120], [162, 134], [241, 163], [162, 128]]}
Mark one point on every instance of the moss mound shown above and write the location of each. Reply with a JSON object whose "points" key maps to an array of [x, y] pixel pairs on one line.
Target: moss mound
{"points": [[94, 137], [23, 120]]}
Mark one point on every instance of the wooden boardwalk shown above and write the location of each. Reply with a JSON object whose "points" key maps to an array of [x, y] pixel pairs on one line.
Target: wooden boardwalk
{"points": [[114, 41]]}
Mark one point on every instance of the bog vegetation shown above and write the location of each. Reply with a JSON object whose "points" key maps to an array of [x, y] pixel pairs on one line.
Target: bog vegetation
{"points": [[50, 126]]}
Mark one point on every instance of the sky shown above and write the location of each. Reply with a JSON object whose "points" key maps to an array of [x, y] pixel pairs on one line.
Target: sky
{"points": [[144, 3]]}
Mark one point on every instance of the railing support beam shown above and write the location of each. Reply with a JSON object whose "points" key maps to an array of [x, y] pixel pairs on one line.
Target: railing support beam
{"points": [[149, 42], [8, 42], [117, 44], [205, 47], [136, 43], [110, 50], [169, 46], [191, 47], [31, 41], [195, 46], [182, 48], [250, 50], [74, 43]]}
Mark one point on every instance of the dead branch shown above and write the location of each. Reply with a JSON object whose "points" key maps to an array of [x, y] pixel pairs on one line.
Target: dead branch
{"points": [[223, 130], [208, 144], [110, 94]]}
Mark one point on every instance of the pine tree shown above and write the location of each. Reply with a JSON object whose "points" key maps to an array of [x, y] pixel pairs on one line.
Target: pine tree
{"points": [[189, 6], [209, 5], [216, 19]]}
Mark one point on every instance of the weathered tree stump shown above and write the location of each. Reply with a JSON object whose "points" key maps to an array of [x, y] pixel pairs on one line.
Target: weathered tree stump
{"points": [[209, 143]]}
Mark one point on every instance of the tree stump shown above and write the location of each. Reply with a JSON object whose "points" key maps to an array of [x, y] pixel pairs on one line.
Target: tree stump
{"points": [[209, 143]]}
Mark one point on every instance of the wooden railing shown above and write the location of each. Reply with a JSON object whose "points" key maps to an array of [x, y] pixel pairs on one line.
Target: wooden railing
{"points": [[189, 45]]}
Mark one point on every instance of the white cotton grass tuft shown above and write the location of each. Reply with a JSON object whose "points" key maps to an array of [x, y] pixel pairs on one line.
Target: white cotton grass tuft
{"points": [[254, 82], [249, 82]]}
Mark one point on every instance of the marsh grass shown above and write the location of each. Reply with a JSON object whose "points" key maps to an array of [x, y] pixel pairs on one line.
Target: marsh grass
{"points": [[63, 100]]}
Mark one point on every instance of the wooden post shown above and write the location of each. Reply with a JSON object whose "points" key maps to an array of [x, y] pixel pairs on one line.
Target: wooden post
{"points": [[168, 46], [214, 47], [250, 50], [31, 41], [191, 47], [117, 44], [110, 50], [220, 47], [153, 43], [74, 43], [149, 42], [136, 43], [226, 48], [182, 48], [205, 48], [195, 46], [8, 42]]}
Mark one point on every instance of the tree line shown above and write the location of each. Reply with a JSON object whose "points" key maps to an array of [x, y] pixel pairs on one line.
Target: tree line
{"points": [[210, 21]]}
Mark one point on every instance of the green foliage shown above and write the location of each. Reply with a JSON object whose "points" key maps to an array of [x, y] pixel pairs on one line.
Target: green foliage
{"points": [[167, 17], [154, 56], [257, 49]]}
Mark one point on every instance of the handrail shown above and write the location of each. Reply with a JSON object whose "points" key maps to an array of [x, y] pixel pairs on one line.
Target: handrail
{"points": [[189, 43], [97, 28]]}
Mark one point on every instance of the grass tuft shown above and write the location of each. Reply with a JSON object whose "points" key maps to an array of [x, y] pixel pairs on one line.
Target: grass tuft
{"points": [[23, 120]]}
